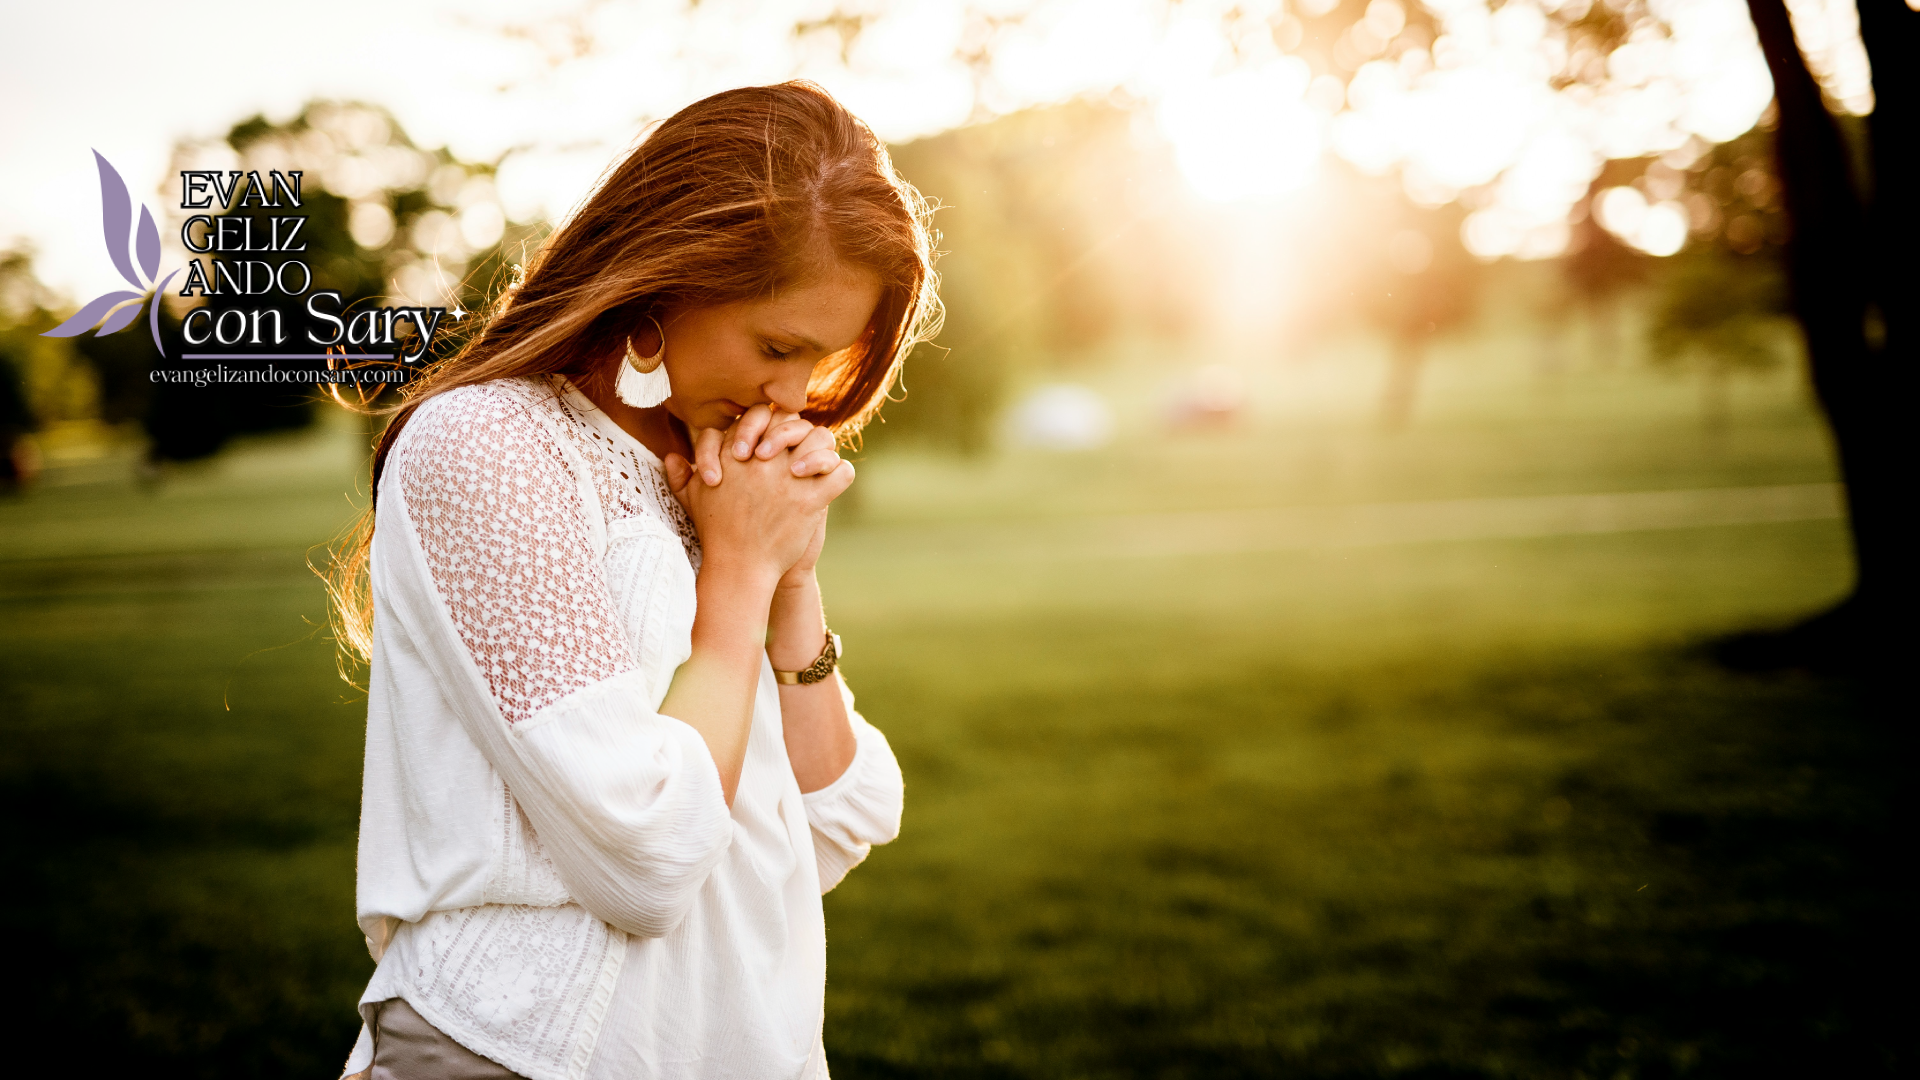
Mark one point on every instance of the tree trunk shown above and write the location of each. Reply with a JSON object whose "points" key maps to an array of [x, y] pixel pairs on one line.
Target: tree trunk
{"points": [[1837, 268], [1716, 399], [1603, 328], [1891, 31], [1403, 380]]}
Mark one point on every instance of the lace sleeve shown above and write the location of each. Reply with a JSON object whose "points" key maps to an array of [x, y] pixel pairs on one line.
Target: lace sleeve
{"points": [[508, 543], [488, 550]]}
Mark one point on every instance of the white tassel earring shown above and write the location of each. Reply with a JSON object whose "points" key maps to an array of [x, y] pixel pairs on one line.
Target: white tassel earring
{"points": [[643, 379]]}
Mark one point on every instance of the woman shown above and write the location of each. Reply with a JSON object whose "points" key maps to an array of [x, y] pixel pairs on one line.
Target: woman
{"points": [[610, 766]]}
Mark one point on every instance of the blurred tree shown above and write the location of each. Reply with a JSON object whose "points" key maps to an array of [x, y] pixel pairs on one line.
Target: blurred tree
{"points": [[1056, 238], [40, 380], [1734, 195], [1421, 284], [1733, 209], [1720, 306], [18, 463], [1599, 272], [1724, 313], [1068, 228], [1850, 254]]}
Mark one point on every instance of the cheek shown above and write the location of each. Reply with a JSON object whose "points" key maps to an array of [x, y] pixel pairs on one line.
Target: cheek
{"points": [[724, 373], [707, 394]]}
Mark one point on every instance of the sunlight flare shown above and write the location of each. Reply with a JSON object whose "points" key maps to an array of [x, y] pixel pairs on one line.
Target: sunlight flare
{"points": [[1247, 134]]}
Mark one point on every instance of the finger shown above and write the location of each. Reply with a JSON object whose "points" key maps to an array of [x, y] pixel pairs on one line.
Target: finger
{"points": [[818, 463], [747, 429], [820, 450], [839, 480], [783, 435], [819, 438], [706, 456], [679, 476], [679, 471]]}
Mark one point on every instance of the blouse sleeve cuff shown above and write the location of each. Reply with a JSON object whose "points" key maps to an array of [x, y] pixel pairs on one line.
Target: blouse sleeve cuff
{"points": [[861, 807]]}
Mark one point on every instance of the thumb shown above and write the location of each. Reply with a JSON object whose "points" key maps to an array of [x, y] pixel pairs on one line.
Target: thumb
{"points": [[706, 454], [678, 471], [839, 480]]}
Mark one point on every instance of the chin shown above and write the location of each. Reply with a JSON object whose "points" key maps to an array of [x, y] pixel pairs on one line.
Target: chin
{"points": [[713, 414], [724, 413]]}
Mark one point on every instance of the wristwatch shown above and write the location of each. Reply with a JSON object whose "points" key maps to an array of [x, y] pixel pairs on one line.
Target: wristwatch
{"points": [[821, 667]]}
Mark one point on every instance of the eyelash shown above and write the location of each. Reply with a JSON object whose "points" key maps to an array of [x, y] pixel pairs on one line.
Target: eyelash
{"points": [[774, 352]]}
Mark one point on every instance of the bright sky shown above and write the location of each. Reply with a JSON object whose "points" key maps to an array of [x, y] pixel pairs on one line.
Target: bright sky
{"points": [[1247, 122]]}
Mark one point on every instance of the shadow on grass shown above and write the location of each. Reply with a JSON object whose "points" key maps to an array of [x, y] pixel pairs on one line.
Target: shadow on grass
{"points": [[1702, 886], [1705, 886], [158, 945]]}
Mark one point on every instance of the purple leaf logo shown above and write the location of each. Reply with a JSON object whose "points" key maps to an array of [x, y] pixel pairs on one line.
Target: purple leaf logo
{"points": [[124, 245], [95, 310]]}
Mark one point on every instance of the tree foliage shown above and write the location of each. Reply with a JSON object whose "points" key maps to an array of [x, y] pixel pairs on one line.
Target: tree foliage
{"points": [[1055, 235]]}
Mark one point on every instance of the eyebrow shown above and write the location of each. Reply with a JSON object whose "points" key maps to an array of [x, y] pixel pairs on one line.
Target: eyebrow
{"points": [[799, 337]]}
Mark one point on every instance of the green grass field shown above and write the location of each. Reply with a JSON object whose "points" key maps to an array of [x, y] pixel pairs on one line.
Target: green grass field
{"points": [[1308, 803]]}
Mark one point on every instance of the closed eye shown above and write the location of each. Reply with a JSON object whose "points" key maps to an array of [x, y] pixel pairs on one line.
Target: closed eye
{"points": [[777, 352]]}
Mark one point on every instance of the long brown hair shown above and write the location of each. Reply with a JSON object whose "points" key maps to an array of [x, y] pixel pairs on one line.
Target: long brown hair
{"points": [[732, 198]]}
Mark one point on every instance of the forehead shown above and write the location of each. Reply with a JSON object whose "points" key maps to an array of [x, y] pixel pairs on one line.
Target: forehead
{"points": [[831, 308]]}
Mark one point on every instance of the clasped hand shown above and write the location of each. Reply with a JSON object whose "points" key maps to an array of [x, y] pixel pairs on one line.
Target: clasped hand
{"points": [[758, 491]]}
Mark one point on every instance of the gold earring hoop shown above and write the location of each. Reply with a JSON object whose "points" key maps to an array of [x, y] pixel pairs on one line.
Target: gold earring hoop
{"points": [[645, 365], [643, 381]]}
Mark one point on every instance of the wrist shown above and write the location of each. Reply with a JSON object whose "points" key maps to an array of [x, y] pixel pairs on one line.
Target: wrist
{"points": [[796, 627], [795, 651], [794, 583], [752, 578], [814, 671]]}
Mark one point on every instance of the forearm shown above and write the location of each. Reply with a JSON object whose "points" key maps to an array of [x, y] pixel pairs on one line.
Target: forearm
{"points": [[820, 739], [713, 691]]}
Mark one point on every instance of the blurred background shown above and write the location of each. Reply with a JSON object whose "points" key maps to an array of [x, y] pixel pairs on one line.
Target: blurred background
{"points": [[1383, 573]]}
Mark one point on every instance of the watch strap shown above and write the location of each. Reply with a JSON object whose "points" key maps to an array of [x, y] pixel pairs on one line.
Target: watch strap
{"points": [[821, 667]]}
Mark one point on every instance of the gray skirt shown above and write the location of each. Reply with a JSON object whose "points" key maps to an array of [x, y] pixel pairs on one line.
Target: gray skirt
{"points": [[406, 1047]]}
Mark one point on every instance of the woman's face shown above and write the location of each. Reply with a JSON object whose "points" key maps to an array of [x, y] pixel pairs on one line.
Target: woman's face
{"points": [[725, 359]]}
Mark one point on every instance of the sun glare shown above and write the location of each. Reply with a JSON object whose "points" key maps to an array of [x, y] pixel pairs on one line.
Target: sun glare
{"points": [[1498, 110], [1477, 114], [1658, 228], [1247, 134]]}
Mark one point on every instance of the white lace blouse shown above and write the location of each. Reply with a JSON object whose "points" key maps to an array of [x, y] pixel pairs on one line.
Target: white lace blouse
{"points": [[548, 871]]}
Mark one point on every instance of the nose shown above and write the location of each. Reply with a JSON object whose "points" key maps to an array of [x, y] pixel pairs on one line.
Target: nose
{"points": [[788, 391]]}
